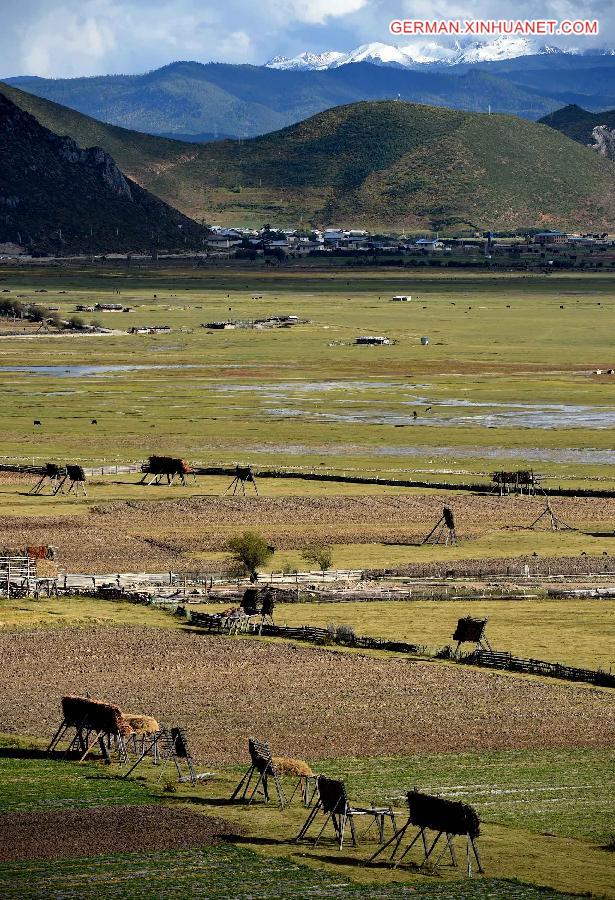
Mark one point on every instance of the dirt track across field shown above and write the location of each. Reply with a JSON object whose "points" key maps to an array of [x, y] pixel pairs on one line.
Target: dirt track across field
{"points": [[101, 831], [307, 702]]}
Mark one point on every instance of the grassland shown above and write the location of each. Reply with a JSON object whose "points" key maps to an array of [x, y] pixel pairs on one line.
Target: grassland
{"points": [[506, 382], [578, 632], [54, 612], [123, 527], [543, 831], [534, 756], [573, 632], [507, 372], [308, 700]]}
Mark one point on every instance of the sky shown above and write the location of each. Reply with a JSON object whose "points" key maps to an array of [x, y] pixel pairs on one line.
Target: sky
{"points": [[66, 38]]}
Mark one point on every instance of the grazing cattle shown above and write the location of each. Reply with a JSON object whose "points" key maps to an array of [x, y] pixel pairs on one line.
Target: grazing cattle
{"points": [[94, 422], [37, 422]]}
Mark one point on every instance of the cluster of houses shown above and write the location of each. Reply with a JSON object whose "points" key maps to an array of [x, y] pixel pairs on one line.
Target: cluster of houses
{"points": [[276, 321], [296, 243], [577, 240], [300, 243], [150, 329], [103, 307]]}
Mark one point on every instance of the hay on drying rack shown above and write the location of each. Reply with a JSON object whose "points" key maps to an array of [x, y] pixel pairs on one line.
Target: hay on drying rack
{"points": [[93, 722], [286, 765], [47, 568], [141, 725], [94, 715], [470, 630]]}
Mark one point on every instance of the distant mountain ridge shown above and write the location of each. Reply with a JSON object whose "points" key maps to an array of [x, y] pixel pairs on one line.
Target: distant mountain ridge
{"points": [[423, 52], [194, 99], [378, 165], [57, 197]]}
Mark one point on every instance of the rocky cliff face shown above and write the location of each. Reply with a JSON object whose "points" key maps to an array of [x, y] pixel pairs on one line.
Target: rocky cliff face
{"points": [[15, 122], [604, 141], [98, 159], [56, 197]]}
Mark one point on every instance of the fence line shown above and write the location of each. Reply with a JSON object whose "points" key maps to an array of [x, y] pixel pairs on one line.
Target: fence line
{"points": [[507, 661], [340, 478], [216, 624]]}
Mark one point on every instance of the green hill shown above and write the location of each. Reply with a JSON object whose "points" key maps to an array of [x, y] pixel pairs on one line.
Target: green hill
{"points": [[577, 123], [56, 197], [187, 97], [379, 164]]}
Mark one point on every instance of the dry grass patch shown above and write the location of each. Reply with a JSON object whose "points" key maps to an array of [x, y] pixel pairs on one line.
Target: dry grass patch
{"points": [[307, 702], [158, 534]]}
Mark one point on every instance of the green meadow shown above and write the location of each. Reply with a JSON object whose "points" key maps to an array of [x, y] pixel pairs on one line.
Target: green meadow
{"points": [[574, 632], [545, 830], [505, 382]]}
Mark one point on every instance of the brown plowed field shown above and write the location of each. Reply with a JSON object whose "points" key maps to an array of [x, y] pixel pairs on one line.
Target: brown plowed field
{"points": [[69, 833], [156, 535], [306, 702]]}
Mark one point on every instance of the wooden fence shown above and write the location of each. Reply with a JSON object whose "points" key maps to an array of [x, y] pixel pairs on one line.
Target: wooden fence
{"points": [[335, 477], [507, 661], [215, 624], [17, 572]]}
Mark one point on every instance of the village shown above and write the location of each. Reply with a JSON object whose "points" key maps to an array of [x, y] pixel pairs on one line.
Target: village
{"points": [[283, 245], [297, 243]]}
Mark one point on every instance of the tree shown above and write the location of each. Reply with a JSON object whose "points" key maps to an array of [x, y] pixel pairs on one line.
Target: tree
{"points": [[320, 554], [54, 320], [250, 551], [38, 313]]}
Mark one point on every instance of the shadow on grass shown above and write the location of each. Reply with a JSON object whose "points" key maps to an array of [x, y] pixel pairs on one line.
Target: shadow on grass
{"points": [[40, 753], [27, 753], [263, 841], [338, 859]]}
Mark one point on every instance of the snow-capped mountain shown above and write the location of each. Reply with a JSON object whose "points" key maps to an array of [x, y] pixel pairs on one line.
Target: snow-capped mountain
{"points": [[419, 53], [307, 60]]}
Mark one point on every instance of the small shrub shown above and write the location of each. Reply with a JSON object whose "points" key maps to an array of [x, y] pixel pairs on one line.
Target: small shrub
{"points": [[54, 320], [345, 634]]}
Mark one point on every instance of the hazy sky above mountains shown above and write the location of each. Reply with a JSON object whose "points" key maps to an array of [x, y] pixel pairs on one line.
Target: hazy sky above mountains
{"points": [[89, 37]]}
